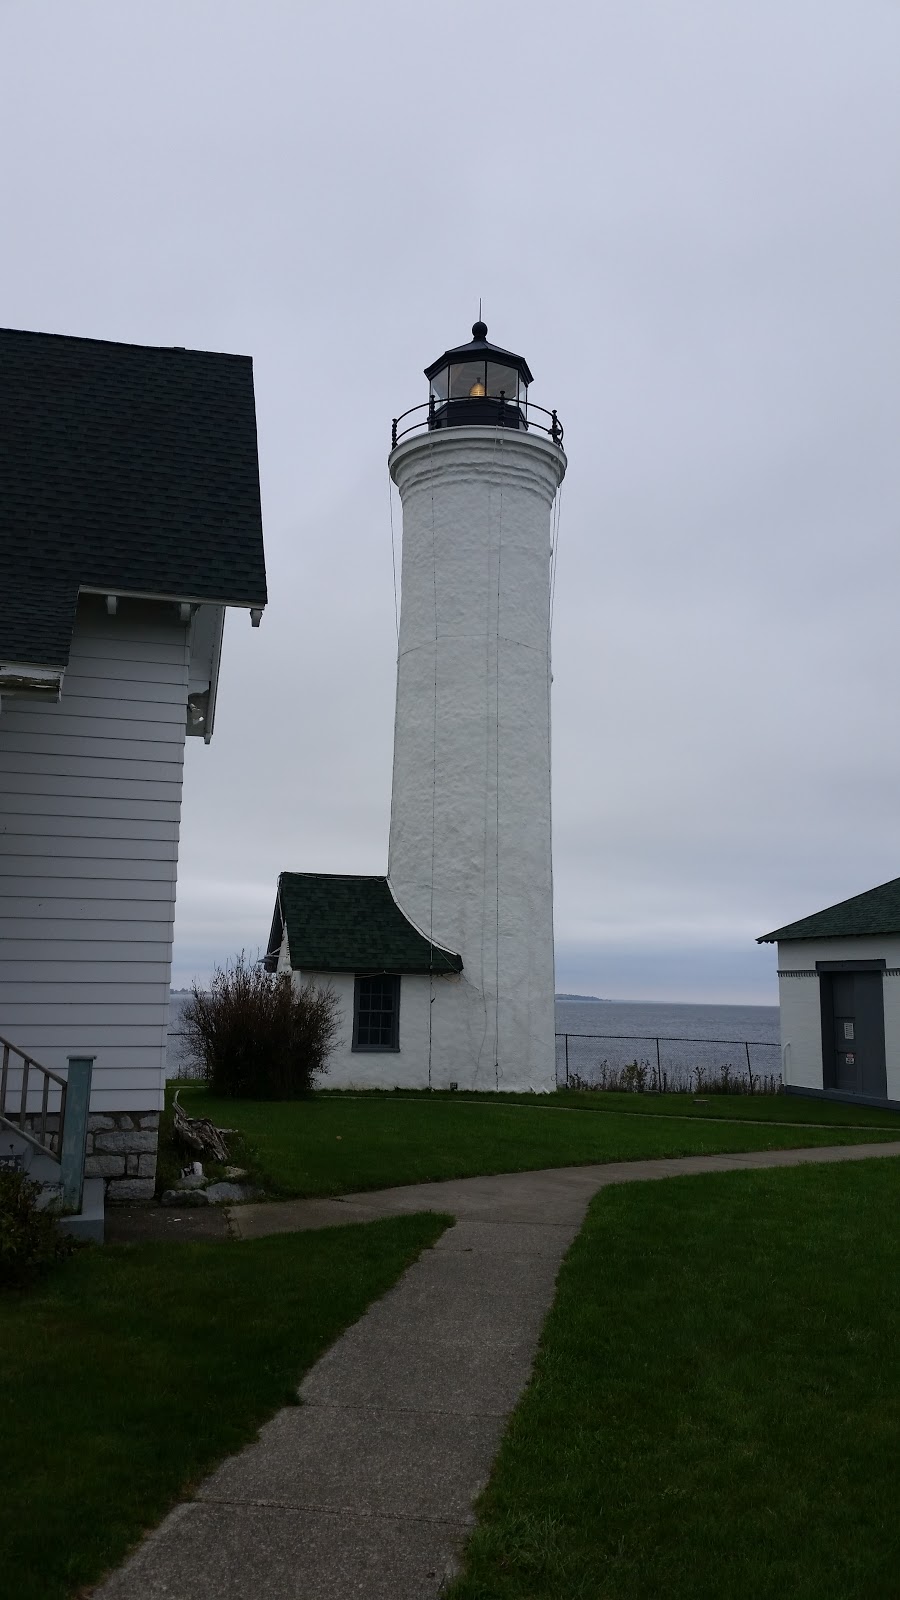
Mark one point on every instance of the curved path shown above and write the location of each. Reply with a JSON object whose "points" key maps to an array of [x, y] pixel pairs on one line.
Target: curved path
{"points": [[367, 1488]]}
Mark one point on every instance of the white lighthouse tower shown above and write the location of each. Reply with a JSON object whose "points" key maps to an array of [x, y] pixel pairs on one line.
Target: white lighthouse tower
{"points": [[477, 469]]}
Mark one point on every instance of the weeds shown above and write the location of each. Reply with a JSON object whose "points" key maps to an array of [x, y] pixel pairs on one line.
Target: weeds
{"points": [[642, 1077]]}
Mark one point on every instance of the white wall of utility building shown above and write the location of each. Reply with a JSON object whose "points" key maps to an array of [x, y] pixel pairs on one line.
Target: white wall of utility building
{"points": [[801, 1016], [90, 803]]}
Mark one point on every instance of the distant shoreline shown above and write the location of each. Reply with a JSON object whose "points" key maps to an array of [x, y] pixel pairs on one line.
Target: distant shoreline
{"points": [[586, 999]]}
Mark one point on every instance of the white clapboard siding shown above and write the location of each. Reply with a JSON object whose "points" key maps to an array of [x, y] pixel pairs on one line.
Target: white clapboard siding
{"points": [[55, 953], [90, 799], [42, 791], [55, 926], [103, 962], [37, 831], [80, 976], [90, 846], [149, 719]]}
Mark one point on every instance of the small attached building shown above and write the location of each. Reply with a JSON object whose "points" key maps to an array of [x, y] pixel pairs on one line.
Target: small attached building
{"points": [[348, 932], [839, 988]]}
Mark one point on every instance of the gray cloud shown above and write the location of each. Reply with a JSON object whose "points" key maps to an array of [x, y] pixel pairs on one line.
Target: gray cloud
{"points": [[686, 218]]}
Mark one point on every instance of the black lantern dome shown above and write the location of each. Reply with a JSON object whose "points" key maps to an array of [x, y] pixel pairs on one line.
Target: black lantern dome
{"points": [[478, 384]]}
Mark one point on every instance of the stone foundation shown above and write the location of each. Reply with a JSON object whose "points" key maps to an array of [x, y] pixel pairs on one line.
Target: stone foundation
{"points": [[121, 1147]]}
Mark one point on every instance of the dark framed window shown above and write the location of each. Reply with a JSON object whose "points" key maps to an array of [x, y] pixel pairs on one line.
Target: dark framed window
{"points": [[376, 1013]]}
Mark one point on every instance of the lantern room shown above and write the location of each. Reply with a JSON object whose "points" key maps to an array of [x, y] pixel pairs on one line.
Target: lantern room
{"points": [[478, 384]]}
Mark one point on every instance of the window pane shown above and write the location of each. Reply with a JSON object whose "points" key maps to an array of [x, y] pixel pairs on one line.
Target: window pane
{"points": [[439, 384], [503, 380], [465, 377]]}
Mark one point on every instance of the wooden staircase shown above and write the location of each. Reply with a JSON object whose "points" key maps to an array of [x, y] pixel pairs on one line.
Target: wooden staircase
{"points": [[43, 1131]]}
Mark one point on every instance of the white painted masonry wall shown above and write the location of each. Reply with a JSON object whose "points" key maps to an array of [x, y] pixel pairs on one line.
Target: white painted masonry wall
{"points": [[90, 798], [470, 845], [801, 1018], [406, 1068]]}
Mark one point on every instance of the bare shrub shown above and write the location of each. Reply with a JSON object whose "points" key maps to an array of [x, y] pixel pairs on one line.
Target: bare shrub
{"points": [[251, 1035]]}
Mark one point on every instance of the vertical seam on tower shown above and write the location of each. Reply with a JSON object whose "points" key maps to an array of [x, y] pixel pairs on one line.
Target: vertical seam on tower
{"points": [[433, 768], [499, 449]]}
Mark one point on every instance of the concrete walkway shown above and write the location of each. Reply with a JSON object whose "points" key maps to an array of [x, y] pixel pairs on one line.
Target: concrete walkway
{"points": [[367, 1488]]}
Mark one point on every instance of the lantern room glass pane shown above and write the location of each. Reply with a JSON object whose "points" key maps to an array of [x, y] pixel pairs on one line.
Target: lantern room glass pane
{"points": [[439, 384], [502, 380], [465, 377]]}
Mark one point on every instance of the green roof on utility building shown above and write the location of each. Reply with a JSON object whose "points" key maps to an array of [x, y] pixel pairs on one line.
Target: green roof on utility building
{"points": [[875, 912]]}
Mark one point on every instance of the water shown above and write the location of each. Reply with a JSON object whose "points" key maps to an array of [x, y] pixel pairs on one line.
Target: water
{"points": [[642, 1023], [631, 1029]]}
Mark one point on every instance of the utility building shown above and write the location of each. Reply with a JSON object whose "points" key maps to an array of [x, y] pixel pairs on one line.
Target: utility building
{"points": [[477, 466], [839, 988]]}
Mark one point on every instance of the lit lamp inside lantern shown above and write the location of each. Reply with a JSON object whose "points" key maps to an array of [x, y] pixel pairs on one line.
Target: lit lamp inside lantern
{"points": [[477, 390]]}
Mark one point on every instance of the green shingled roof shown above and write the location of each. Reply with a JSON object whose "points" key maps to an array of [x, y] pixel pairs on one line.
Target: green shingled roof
{"points": [[125, 469], [343, 923], [876, 911]]}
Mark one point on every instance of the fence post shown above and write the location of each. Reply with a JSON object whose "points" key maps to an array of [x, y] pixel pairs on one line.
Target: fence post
{"points": [[567, 1061], [73, 1134], [749, 1068], [658, 1070]]}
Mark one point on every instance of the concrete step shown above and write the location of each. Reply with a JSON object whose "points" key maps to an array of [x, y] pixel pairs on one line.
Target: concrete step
{"points": [[88, 1224]]}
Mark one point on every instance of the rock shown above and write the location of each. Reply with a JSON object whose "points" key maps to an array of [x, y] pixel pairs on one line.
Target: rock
{"points": [[130, 1189], [235, 1172], [185, 1197], [192, 1180], [219, 1194]]}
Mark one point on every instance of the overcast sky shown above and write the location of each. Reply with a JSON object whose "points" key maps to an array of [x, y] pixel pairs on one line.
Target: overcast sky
{"points": [[686, 216]]}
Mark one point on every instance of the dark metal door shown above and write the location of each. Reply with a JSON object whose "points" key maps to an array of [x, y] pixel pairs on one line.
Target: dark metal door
{"points": [[854, 1034]]}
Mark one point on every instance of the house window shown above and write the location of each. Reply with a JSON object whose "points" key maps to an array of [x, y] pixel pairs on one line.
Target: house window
{"points": [[376, 1013]]}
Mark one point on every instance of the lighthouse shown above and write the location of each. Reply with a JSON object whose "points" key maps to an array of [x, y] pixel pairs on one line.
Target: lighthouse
{"points": [[477, 467]]}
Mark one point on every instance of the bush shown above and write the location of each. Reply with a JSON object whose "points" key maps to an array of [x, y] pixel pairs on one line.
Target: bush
{"points": [[253, 1036], [29, 1237]]}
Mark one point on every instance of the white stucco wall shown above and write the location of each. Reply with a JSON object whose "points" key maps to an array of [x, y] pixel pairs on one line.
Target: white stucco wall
{"points": [[470, 844], [406, 1068], [801, 1019]]}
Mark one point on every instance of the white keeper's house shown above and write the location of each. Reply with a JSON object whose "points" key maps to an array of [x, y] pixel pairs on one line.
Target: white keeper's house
{"points": [[444, 965], [839, 990], [129, 520]]}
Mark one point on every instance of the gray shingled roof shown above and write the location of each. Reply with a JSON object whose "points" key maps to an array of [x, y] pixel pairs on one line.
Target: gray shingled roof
{"points": [[344, 923], [877, 911], [122, 468]]}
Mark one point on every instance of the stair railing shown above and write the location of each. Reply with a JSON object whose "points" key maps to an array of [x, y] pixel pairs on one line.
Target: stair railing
{"points": [[22, 1077]]}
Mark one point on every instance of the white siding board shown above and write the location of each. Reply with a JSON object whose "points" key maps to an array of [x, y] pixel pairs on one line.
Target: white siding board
{"points": [[77, 1038], [15, 929], [73, 990], [80, 688], [49, 793], [133, 768], [82, 976], [88, 847], [49, 827], [105, 746], [90, 795], [119, 717], [147, 880], [130, 670], [91, 1019], [73, 954]]}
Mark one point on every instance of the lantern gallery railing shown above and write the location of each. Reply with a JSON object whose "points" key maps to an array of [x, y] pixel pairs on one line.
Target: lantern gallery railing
{"points": [[482, 412]]}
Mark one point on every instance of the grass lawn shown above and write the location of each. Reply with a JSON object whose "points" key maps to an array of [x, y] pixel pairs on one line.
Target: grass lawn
{"points": [[129, 1372], [335, 1144], [715, 1409]]}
